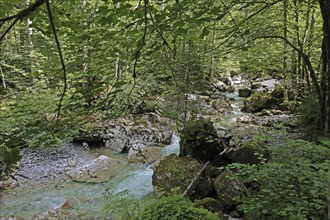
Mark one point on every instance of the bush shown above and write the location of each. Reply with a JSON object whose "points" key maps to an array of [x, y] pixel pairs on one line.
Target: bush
{"points": [[175, 208], [309, 114], [291, 185], [8, 159]]}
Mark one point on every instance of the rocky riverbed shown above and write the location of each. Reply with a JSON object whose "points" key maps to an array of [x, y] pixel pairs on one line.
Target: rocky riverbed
{"points": [[120, 149]]}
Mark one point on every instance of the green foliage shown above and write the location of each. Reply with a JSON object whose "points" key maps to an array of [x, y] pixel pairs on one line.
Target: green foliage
{"points": [[175, 208], [8, 159], [309, 114], [290, 185], [30, 120], [122, 207]]}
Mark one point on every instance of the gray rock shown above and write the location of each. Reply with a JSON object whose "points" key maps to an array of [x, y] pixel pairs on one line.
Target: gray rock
{"points": [[118, 142], [145, 155], [222, 106]]}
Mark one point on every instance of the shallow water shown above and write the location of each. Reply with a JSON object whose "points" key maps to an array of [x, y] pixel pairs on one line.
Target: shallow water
{"points": [[87, 200]]}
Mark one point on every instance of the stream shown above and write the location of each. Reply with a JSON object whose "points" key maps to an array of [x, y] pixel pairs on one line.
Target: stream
{"points": [[87, 201]]}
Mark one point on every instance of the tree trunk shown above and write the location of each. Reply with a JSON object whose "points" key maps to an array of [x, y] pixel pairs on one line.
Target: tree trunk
{"points": [[212, 70], [299, 63], [325, 79], [3, 78], [30, 38], [117, 67], [285, 49], [329, 195]]}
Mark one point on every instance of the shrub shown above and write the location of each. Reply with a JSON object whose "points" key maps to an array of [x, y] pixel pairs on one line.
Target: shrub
{"points": [[175, 208], [291, 185], [309, 114]]}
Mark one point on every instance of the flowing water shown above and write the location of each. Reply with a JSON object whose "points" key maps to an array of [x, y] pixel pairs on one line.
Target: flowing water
{"points": [[88, 200]]}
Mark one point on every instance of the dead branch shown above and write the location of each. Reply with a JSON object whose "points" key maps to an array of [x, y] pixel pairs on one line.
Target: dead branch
{"points": [[185, 193]]}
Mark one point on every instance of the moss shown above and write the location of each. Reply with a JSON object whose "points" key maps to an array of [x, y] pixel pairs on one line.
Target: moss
{"points": [[199, 139], [174, 174], [257, 102], [250, 153]]}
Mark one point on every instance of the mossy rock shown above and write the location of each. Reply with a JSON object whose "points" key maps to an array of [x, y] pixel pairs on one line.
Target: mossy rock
{"points": [[249, 153], [200, 140], [244, 92], [222, 106], [174, 174], [228, 188], [210, 204], [257, 102]]}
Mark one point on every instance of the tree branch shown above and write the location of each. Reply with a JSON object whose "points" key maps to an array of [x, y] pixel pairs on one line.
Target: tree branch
{"points": [[140, 46], [8, 29], [61, 58], [24, 12], [160, 33], [20, 15], [185, 193], [307, 62]]}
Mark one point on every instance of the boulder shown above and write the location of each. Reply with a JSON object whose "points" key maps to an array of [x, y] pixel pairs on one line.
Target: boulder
{"points": [[145, 155], [244, 134], [257, 102], [256, 85], [118, 142], [244, 92], [199, 140], [174, 174], [220, 86], [210, 204], [222, 106], [245, 155], [228, 188], [247, 119]]}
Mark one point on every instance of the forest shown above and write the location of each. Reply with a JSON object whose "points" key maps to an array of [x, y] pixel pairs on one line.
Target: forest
{"points": [[163, 109]]}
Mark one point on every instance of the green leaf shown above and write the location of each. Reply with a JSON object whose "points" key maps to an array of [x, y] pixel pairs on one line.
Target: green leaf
{"points": [[206, 32]]}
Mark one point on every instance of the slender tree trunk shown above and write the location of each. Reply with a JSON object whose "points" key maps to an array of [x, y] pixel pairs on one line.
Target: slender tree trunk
{"points": [[117, 67], [304, 75], [310, 43], [285, 48], [163, 5], [3, 78], [214, 42], [30, 39], [299, 76]]}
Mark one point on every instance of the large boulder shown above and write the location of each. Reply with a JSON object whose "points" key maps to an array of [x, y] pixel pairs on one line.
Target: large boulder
{"points": [[174, 174], [249, 153], [244, 92], [199, 140], [228, 188], [257, 102]]}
